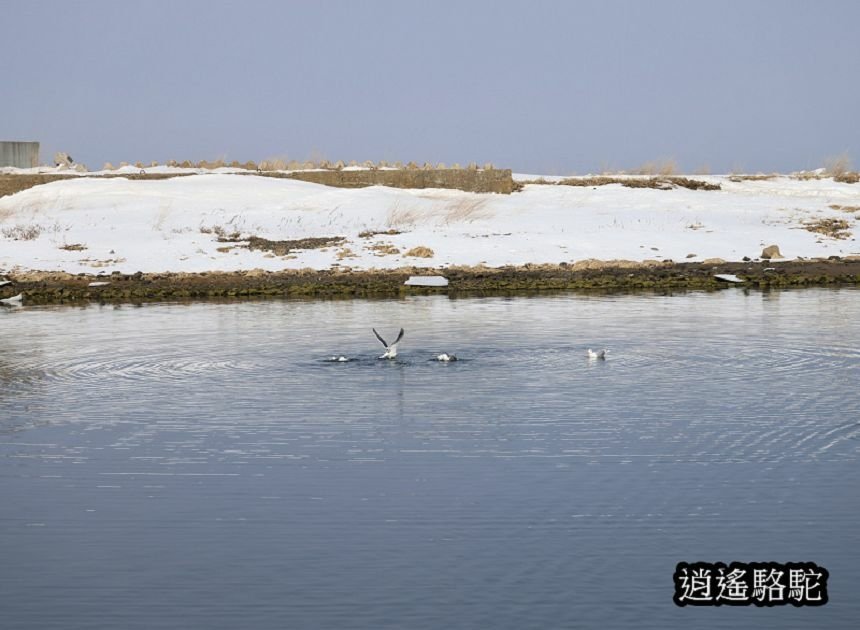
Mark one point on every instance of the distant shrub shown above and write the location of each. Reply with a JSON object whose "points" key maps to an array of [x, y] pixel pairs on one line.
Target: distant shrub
{"points": [[837, 165], [274, 164], [663, 167]]}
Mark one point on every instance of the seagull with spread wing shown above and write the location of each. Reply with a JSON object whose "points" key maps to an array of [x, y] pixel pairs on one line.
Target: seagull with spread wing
{"points": [[390, 350]]}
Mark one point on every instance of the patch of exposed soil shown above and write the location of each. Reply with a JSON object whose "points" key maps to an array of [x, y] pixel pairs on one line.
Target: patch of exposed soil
{"points": [[372, 233], [11, 184], [282, 248]]}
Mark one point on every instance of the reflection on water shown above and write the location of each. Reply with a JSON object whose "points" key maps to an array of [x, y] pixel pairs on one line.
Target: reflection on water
{"points": [[205, 465]]}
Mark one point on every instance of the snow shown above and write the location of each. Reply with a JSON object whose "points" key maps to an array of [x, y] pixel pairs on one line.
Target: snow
{"points": [[173, 224]]}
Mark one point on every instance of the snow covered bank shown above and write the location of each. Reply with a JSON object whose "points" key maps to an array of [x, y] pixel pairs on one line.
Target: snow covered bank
{"points": [[202, 222]]}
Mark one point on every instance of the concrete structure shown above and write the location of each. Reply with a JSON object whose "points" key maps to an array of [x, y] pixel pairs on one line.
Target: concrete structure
{"points": [[19, 154]]}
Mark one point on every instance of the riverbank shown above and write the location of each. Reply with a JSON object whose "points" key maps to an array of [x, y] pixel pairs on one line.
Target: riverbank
{"points": [[58, 287], [176, 234]]}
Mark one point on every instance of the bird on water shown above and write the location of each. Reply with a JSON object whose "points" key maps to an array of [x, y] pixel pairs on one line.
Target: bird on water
{"points": [[390, 349]]}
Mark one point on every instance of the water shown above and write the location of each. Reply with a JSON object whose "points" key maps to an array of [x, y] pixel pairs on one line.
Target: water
{"points": [[203, 466]]}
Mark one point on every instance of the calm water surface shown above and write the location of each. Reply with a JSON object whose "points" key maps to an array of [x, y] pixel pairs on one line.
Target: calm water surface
{"points": [[203, 466]]}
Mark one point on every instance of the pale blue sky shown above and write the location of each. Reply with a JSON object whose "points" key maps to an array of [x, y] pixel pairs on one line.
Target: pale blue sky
{"points": [[552, 87]]}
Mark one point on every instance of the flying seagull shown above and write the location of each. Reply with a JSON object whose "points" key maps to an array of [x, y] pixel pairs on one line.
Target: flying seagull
{"points": [[390, 351], [445, 357], [15, 300], [599, 354]]}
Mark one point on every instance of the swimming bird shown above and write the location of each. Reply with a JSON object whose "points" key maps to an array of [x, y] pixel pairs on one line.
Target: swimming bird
{"points": [[15, 300], [600, 354], [339, 359], [390, 350], [445, 357]]}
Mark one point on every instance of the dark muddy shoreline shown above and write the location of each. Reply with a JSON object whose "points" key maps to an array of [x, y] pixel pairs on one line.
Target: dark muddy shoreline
{"points": [[618, 276]]}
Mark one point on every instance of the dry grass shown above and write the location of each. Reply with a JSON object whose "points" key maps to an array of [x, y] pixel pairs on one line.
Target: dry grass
{"points": [[74, 247], [837, 165], [658, 183], [664, 167], [806, 175], [834, 206], [839, 229], [383, 249], [221, 233], [758, 177], [467, 210], [346, 252], [23, 232], [372, 233], [847, 178], [109, 262], [399, 217], [420, 252]]}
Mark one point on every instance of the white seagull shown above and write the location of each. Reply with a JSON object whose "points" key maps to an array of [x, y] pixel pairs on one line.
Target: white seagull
{"points": [[15, 300], [445, 357], [599, 354], [339, 359], [390, 350]]}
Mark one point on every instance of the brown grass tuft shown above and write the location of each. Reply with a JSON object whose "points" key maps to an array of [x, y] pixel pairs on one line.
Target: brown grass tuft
{"points": [[420, 252], [346, 252], [834, 206], [74, 247], [837, 165], [384, 249], [833, 228], [847, 178]]}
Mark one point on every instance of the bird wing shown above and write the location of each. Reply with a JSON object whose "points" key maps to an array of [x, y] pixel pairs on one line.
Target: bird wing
{"points": [[399, 337], [381, 340]]}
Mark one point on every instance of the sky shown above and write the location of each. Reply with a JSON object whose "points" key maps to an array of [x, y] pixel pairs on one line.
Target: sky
{"points": [[540, 87]]}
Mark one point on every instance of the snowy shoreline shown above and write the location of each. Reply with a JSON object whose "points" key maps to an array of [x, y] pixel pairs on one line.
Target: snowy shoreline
{"points": [[203, 222]]}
